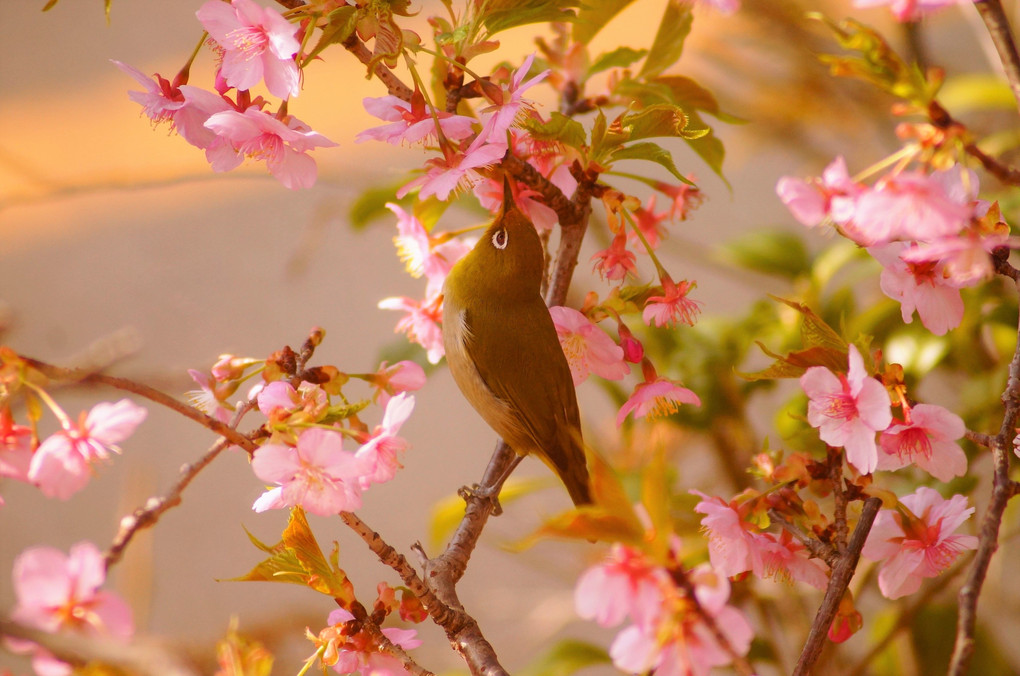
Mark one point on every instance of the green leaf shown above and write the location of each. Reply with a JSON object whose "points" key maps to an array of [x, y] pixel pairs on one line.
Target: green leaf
{"points": [[708, 147], [621, 57], [503, 14], [651, 152], [662, 119], [773, 252], [598, 132], [822, 346], [341, 23], [674, 28], [690, 95], [567, 657], [371, 204], [448, 512], [298, 559], [976, 91], [559, 128], [340, 412], [593, 16]]}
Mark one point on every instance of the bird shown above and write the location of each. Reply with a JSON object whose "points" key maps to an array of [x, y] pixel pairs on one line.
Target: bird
{"points": [[503, 351]]}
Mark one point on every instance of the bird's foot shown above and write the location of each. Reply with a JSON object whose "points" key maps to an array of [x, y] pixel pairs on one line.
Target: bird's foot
{"points": [[490, 493]]}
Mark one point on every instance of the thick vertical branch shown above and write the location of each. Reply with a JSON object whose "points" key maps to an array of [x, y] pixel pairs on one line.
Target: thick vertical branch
{"points": [[998, 28], [839, 580], [988, 538]]}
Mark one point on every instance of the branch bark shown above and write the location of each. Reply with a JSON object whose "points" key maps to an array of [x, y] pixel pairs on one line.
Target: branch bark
{"points": [[839, 580]]}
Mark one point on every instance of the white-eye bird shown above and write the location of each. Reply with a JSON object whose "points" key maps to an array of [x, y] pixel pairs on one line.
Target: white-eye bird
{"points": [[503, 351]]}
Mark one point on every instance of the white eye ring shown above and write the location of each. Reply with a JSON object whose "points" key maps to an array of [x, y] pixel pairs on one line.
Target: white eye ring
{"points": [[500, 239]]}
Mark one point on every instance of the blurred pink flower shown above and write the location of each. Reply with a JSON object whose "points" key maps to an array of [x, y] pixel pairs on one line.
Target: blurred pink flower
{"points": [[62, 465], [421, 254], [922, 286], [260, 136], [404, 376], [917, 544], [421, 323], [380, 455], [848, 409], [279, 401], [624, 583], [811, 201], [915, 206], [964, 260], [411, 122], [909, 10], [211, 395], [257, 43], [318, 475], [15, 447], [927, 439], [648, 222], [57, 592], [587, 347]]}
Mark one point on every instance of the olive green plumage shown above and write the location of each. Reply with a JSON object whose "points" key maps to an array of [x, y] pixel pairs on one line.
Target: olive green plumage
{"points": [[503, 352]]}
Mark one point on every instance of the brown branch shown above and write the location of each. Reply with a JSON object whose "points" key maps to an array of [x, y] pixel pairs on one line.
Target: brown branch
{"points": [[818, 549], [988, 539], [461, 629], [394, 85], [382, 641], [998, 28], [150, 393], [147, 516], [839, 580], [135, 657]]}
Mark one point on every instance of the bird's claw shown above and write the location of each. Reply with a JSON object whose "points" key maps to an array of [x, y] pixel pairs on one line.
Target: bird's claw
{"points": [[483, 493]]}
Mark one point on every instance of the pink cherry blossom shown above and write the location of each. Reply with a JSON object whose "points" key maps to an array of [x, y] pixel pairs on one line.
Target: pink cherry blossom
{"points": [[633, 350], [318, 475], [456, 169], [411, 122], [62, 465], [616, 261], [279, 401], [921, 286], [421, 323], [848, 409], [909, 10], [200, 105], [57, 592], [508, 104], [928, 440], [257, 43], [785, 559], [211, 395], [260, 136], [422, 254], [811, 201], [359, 654], [965, 259], [655, 397], [380, 456], [674, 306], [490, 194], [404, 376], [624, 583], [683, 197], [587, 347], [159, 100], [918, 543], [914, 205], [724, 7], [648, 222]]}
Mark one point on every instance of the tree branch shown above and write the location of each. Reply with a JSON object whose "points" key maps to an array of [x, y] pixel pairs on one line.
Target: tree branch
{"points": [[988, 539], [998, 28], [839, 580], [150, 393]]}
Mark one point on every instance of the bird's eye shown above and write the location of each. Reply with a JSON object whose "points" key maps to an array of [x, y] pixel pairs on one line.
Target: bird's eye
{"points": [[500, 238]]}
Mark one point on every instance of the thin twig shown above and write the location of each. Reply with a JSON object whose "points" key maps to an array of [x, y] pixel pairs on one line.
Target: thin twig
{"points": [[461, 629], [988, 538], [998, 28], [839, 580], [817, 548], [394, 85], [150, 393], [135, 657]]}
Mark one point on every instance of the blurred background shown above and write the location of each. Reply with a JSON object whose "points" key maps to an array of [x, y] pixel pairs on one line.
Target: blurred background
{"points": [[118, 243]]}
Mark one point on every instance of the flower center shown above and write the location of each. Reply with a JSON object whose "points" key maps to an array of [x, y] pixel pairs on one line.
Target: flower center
{"points": [[251, 41]]}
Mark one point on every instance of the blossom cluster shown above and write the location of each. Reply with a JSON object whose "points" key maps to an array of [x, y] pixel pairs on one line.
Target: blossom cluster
{"points": [[669, 631], [928, 230], [255, 45]]}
